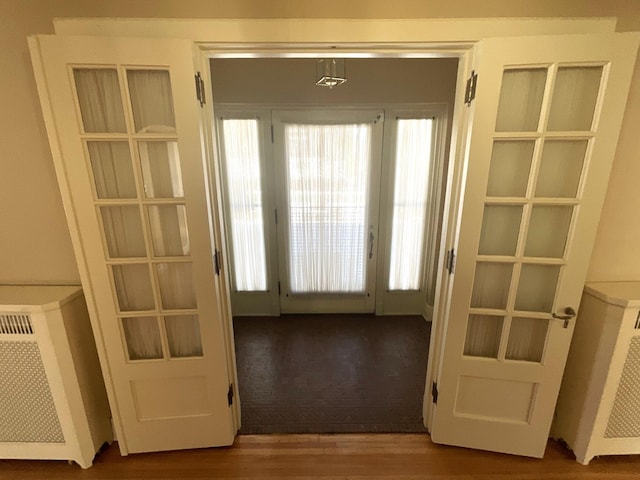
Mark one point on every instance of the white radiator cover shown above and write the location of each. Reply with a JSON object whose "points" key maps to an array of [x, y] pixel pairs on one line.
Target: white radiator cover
{"points": [[53, 404], [598, 410]]}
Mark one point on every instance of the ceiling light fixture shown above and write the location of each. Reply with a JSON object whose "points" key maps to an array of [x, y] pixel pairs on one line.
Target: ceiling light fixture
{"points": [[330, 72]]}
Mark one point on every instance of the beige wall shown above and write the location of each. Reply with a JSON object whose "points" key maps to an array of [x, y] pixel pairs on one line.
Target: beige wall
{"points": [[34, 244], [369, 81]]}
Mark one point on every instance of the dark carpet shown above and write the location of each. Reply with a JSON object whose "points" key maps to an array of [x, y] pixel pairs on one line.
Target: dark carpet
{"points": [[331, 373]]}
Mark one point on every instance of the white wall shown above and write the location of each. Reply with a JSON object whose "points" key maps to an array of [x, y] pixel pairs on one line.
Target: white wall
{"points": [[34, 244]]}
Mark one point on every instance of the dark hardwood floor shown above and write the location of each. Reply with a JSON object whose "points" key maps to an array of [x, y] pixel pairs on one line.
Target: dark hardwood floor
{"points": [[331, 373], [329, 457]]}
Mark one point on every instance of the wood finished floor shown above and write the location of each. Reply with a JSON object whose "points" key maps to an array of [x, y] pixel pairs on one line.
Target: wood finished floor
{"points": [[329, 457]]}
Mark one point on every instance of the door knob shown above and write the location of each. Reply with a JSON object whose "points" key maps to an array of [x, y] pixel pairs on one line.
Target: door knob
{"points": [[569, 313]]}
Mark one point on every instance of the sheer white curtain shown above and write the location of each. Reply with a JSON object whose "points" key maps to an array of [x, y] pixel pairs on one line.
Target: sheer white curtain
{"points": [[142, 337], [327, 171], [99, 99], [151, 101], [413, 155], [244, 195], [183, 335]]}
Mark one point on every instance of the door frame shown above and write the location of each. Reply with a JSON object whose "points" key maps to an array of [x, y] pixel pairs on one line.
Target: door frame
{"points": [[408, 38]]}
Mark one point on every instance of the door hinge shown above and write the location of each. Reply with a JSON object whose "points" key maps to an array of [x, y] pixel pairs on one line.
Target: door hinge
{"points": [[279, 291], [230, 394], [217, 261], [200, 89], [470, 92], [434, 392], [451, 261], [276, 215], [272, 133]]}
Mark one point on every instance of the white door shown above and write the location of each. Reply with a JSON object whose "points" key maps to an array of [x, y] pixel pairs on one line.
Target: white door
{"points": [[544, 127], [123, 122], [327, 184]]}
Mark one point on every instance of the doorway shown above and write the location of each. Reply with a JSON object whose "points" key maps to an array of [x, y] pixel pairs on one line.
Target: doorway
{"points": [[292, 244], [383, 204]]}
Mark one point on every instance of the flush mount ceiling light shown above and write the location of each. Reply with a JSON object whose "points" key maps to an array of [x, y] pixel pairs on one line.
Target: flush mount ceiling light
{"points": [[330, 72]]}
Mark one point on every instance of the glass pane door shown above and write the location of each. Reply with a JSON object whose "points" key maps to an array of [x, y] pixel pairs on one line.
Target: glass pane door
{"points": [[327, 173], [541, 141]]}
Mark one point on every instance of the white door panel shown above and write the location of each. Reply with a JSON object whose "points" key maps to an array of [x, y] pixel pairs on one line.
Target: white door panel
{"points": [[543, 132], [124, 125]]}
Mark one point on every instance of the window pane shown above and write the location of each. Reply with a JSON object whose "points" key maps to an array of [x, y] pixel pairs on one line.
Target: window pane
{"points": [[151, 101], [244, 197], [574, 98], [521, 100], [99, 99], [561, 168], [483, 336], [509, 171], [169, 230], [123, 231], [411, 186], [491, 285], [527, 338], [176, 285], [112, 169], [142, 337], [328, 176], [537, 287], [548, 231], [183, 335], [500, 229], [161, 172], [133, 287]]}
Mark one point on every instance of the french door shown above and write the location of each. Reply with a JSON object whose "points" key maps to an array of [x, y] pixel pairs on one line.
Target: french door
{"points": [[327, 184], [124, 126], [544, 127]]}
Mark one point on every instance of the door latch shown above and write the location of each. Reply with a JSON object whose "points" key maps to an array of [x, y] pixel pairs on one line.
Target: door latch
{"points": [[569, 314]]}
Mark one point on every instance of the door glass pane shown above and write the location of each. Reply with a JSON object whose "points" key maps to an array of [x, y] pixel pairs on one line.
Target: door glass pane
{"points": [[100, 100], [491, 285], [123, 231], [151, 101], [244, 197], [183, 335], [142, 337], [133, 287], [510, 166], [112, 169], [521, 99], [527, 339], [169, 230], [411, 187], [176, 285], [561, 168], [548, 231], [537, 287], [483, 336], [161, 172], [574, 98], [500, 228], [327, 172]]}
